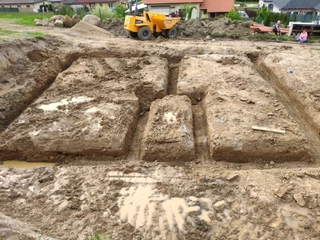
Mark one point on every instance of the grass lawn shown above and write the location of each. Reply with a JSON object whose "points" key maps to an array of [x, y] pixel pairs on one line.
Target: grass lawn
{"points": [[26, 19], [15, 34]]}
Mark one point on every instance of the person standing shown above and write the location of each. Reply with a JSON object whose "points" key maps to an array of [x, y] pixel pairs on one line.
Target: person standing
{"points": [[302, 36], [276, 28]]}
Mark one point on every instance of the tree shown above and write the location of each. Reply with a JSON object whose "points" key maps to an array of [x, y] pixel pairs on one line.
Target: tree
{"points": [[120, 11], [262, 12], [233, 15], [187, 11], [101, 12]]}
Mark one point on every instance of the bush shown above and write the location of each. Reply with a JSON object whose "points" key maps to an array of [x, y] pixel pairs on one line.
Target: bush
{"points": [[262, 12], [274, 17], [247, 25], [233, 15], [120, 11], [81, 12], [64, 10], [267, 20], [186, 11], [102, 12]]}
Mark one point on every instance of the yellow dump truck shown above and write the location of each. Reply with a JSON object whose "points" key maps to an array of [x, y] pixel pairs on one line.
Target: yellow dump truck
{"points": [[151, 23]]}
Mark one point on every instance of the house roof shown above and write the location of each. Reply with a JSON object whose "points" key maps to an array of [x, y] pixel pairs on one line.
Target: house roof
{"points": [[69, 2], [280, 3], [298, 4], [217, 5], [17, 2], [149, 2], [93, 1]]}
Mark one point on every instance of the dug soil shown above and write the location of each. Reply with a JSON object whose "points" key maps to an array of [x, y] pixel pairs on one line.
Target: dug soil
{"points": [[187, 138]]}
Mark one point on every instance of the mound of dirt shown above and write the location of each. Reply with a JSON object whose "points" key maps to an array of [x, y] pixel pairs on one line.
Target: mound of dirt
{"points": [[85, 28], [194, 28], [114, 26], [222, 27]]}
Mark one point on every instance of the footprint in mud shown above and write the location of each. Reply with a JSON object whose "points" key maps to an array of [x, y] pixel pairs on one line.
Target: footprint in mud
{"points": [[298, 220], [144, 206]]}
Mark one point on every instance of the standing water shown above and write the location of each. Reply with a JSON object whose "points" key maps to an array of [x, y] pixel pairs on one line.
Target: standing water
{"points": [[23, 164]]}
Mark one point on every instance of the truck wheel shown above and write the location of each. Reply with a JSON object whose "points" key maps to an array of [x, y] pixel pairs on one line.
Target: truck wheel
{"points": [[144, 33], [172, 33], [133, 34]]}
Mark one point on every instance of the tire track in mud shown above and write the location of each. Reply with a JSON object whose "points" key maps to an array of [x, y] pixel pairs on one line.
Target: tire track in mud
{"points": [[294, 106]]}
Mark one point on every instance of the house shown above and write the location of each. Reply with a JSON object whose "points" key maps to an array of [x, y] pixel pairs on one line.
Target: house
{"points": [[310, 7], [214, 8], [202, 8], [55, 2], [277, 5], [21, 5], [172, 6], [92, 3]]}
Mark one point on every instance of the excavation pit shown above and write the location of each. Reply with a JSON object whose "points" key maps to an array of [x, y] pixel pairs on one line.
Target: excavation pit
{"points": [[272, 195], [238, 105], [89, 104]]}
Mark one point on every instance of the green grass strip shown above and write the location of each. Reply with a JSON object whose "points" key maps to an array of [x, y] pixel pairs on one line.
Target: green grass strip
{"points": [[7, 32], [26, 19]]}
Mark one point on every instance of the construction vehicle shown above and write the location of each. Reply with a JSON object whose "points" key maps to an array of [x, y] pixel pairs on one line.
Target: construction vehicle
{"points": [[149, 23]]}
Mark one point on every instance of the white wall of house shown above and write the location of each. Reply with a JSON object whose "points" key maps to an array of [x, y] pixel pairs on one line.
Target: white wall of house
{"points": [[261, 3], [269, 5], [276, 9], [169, 8], [24, 7], [264, 3], [204, 15]]}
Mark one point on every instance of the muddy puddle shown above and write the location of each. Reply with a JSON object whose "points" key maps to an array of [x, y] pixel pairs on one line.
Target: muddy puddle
{"points": [[23, 164]]}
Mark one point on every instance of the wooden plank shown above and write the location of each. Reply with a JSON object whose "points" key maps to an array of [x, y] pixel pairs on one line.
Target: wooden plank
{"points": [[284, 30], [265, 29], [254, 27], [268, 129]]}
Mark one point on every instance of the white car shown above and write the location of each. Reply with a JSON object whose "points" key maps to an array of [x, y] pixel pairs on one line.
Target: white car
{"points": [[244, 15]]}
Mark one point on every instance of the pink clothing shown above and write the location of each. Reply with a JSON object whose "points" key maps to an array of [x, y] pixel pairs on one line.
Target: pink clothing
{"points": [[303, 35]]}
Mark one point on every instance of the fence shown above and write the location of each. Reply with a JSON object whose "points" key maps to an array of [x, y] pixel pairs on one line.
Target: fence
{"points": [[9, 9], [304, 17]]}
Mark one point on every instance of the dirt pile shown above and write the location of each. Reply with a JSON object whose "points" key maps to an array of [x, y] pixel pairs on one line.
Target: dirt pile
{"points": [[195, 28], [83, 27], [221, 27], [114, 26]]}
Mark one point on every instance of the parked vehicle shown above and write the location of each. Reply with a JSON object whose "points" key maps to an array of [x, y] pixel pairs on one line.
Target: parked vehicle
{"points": [[148, 23], [244, 15]]}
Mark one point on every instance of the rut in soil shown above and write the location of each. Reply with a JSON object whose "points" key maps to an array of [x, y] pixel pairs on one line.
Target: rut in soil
{"points": [[295, 108]]}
